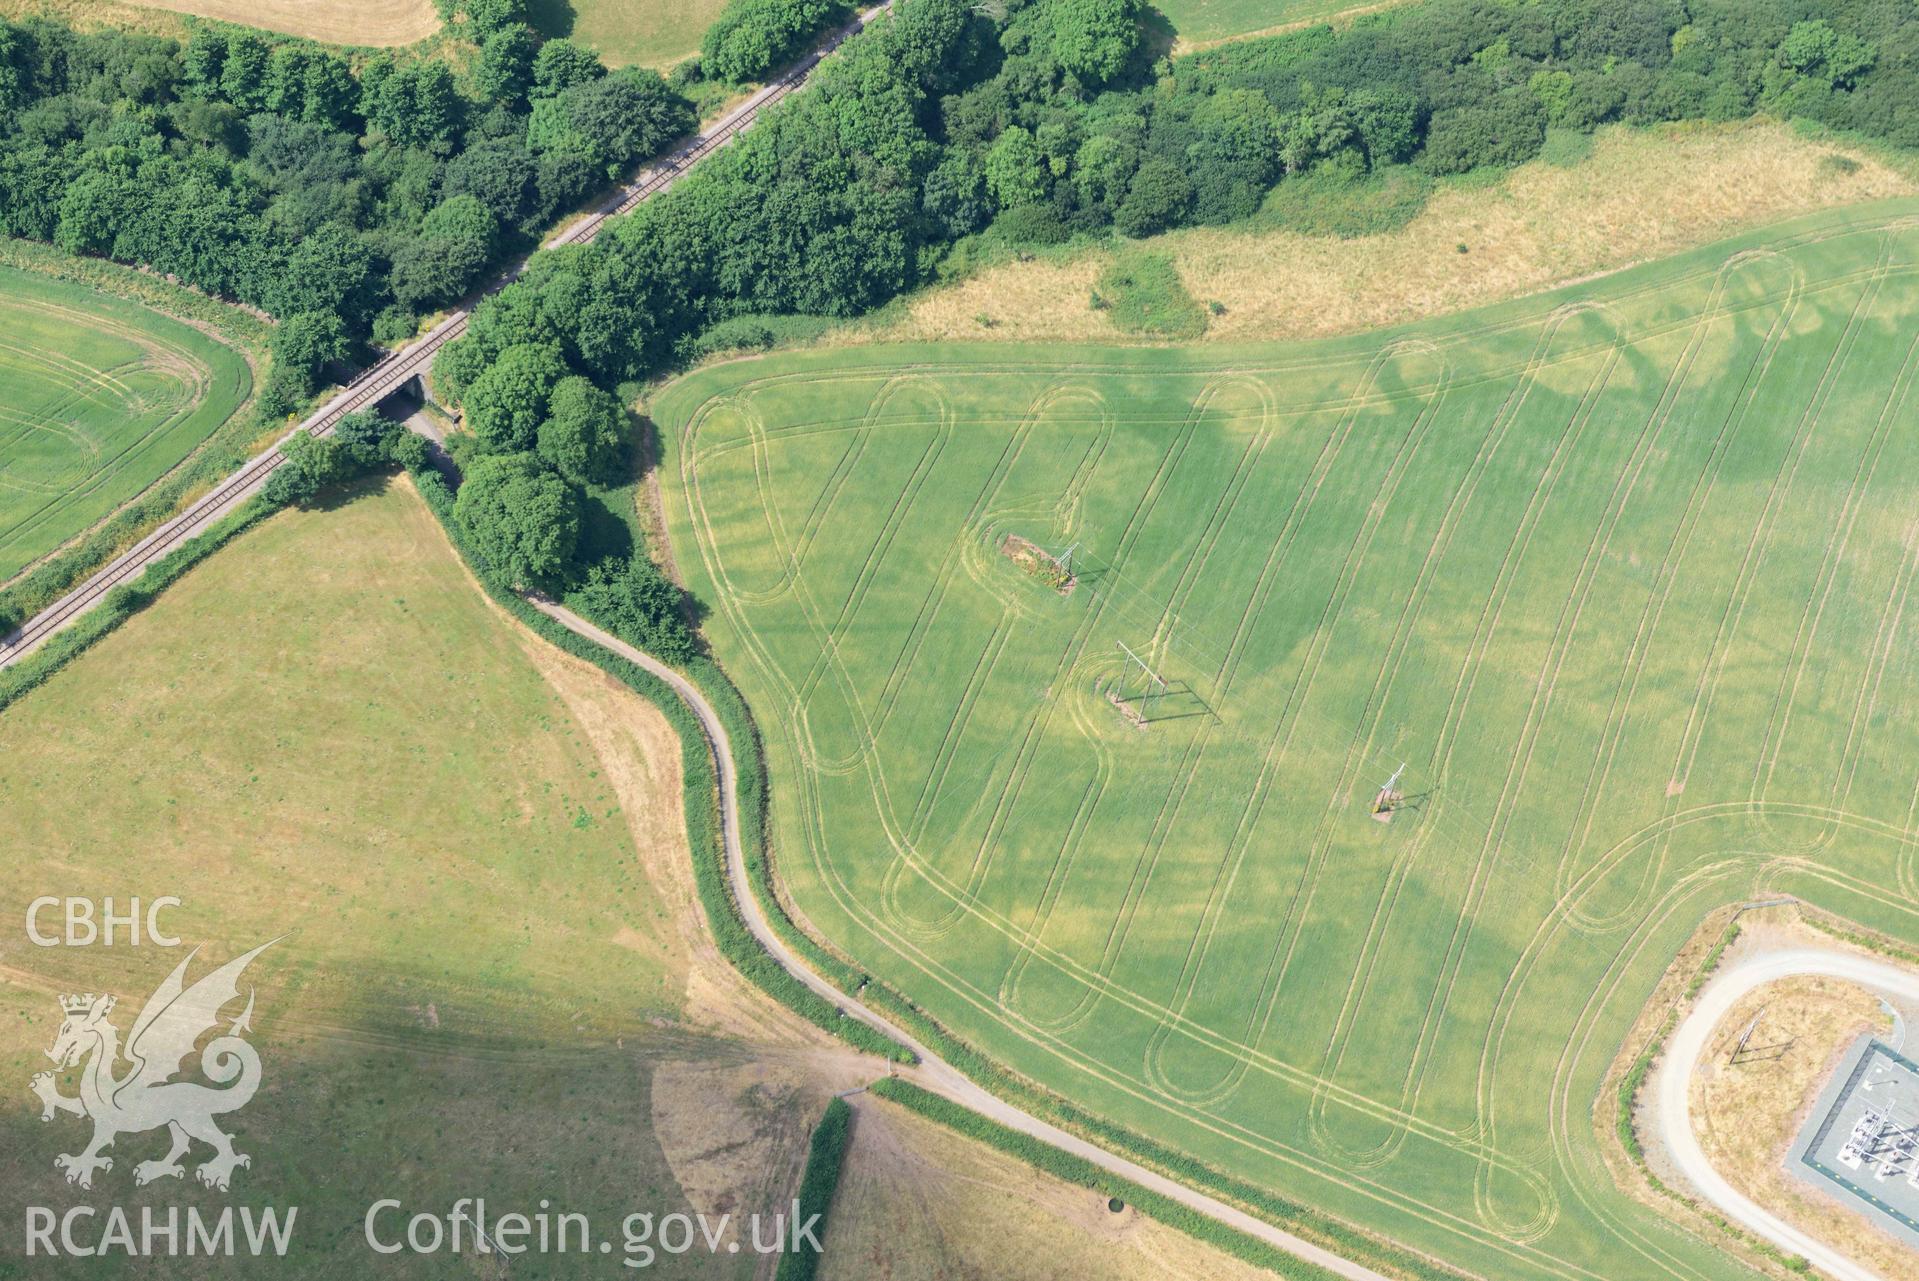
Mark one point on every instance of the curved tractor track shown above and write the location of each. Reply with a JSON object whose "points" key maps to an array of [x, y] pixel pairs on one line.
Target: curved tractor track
{"points": [[933, 1073], [383, 379], [390, 375]]}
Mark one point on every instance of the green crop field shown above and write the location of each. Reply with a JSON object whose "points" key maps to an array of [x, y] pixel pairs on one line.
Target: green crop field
{"points": [[1621, 574], [102, 397]]}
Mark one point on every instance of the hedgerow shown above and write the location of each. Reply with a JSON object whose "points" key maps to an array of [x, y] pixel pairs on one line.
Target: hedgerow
{"points": [[703, 830], [318, 469], [824, 1158], [945, 123], [750, 766], [344, 194], [1323, 1229], [224, 450]]}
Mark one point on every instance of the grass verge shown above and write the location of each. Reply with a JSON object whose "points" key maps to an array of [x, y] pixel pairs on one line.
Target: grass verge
{"points": [[122, 603], [1626, 1099]]}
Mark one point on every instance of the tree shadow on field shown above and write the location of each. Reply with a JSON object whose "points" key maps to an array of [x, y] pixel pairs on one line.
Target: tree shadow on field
{"points": [[602, 532], [1158, 34], [378, 1109], [553, 19], [643, 436], [334, 497]]}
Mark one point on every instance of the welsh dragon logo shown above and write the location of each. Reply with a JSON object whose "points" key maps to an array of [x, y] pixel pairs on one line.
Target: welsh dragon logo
{"points": [[147, 1096]]}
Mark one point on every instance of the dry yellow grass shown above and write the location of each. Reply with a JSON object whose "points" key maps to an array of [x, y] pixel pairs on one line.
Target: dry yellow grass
{"points": [[374, 23], [1747, 1113], [93, 15], [1334, 15], [379, 23], [647, 33], [1641, 194]]}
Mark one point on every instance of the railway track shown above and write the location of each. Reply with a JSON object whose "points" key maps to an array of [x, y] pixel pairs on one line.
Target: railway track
{"points": [[385, 377]]}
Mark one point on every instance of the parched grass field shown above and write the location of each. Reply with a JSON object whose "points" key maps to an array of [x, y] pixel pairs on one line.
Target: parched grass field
{"points": [[1747, 1109], [102, 397], [1621, 574], [326, 733], [917, 1202], [370, 23], [1314, 264]]}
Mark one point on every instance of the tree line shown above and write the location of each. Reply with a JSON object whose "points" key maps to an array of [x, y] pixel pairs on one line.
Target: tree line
{"points": [[945, 122], [345, 195], [942, 124]]}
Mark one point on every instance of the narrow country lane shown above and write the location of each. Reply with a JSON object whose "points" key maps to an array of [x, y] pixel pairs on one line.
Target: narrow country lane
{"points": [[392, 374], [934, 1073]]}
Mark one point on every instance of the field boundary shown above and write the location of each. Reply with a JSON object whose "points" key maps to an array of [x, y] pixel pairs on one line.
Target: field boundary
{"points": [[1068, 1168], [45, 580], [704, 831], [706, 841], [700, 791], [1327, 1231], [1753, 310], [818, 1186], [123, 602], [1322, 1229], [700, 787]]}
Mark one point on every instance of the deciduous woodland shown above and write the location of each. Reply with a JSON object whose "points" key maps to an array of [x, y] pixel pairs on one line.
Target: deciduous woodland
{"points": [[343, 195], [940, 125], [347, 194]]}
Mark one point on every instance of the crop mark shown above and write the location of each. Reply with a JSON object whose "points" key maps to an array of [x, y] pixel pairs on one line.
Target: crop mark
{"points": [[1559, 1170], [1277, 748]]}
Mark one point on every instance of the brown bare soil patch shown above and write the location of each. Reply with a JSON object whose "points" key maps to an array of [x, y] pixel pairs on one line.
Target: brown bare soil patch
{"points": [[1544, 225], [735, 1129], [1037, 564]]}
